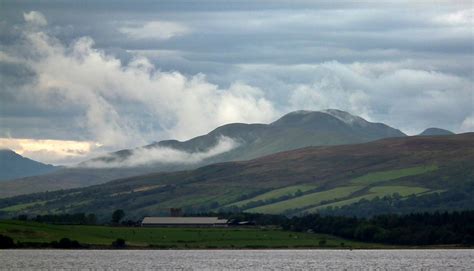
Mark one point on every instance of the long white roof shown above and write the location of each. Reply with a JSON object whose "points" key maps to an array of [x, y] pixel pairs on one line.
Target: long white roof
{"points": [[183, 220]]}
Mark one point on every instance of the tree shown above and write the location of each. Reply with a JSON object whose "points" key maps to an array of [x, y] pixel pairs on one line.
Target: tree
{"points": [[6, 242], [322, 242], [117, 216], [91, 219]]}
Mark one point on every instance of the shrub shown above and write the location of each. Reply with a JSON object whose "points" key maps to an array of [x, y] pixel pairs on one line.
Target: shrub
{"points": [[66, 243], [119, 243]]}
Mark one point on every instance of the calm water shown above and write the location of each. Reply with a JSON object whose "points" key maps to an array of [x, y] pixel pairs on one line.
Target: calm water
{"points": [[238, 259]]}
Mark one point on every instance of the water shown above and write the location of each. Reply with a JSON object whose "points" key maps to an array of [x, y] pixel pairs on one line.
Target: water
{"points": [[238, 259]]}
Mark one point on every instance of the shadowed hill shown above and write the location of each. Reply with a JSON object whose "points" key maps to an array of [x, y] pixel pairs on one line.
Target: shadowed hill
{"points": [[13, 165], [435, 132]]}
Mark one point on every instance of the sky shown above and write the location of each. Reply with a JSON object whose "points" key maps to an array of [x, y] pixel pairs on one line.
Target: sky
{"points": [[84, 78]]}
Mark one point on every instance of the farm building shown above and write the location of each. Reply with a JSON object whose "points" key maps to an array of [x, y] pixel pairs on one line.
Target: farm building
{"points": [[171, 221]]}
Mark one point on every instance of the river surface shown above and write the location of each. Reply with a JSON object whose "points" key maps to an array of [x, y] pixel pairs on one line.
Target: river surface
{"points": [[237, 259]]}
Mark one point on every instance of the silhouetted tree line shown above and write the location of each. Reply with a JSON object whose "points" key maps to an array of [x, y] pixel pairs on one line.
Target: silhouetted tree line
{"points": [[117, 219], [412, 229], [76, 219], [63, 243]]}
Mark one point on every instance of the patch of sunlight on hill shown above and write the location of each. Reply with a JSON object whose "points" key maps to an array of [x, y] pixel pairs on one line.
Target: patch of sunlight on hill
{"points": [[379, 191], [306, 200], [274, 194], [388, 175]]}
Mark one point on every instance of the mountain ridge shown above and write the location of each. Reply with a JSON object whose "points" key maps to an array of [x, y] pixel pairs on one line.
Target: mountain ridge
{"points": [[13, 166], [326, 123], [240, 141]]}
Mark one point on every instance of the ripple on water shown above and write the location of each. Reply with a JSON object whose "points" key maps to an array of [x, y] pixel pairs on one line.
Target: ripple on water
{"points": [[238, 259]]}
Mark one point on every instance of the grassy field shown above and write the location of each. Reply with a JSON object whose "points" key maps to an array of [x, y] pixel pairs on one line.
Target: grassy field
{"points": [[173, 237], [388, 175], [306, 200], [289, 190], [378, 191]]}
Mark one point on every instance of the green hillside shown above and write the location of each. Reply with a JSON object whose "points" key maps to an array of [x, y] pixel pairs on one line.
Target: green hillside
{"points": [[294, 182]]}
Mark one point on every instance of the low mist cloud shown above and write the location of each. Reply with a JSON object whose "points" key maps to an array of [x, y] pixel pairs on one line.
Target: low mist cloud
{"points": [[163, 155]]}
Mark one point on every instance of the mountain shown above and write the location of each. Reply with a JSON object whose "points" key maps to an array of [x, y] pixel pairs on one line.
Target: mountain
{"points": [[427, 172], [231, 142], [294, 130], [13, 165], [435, 132]]}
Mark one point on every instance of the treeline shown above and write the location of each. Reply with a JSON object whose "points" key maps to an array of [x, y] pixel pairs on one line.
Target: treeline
{"points": [[70, 219], [413, 229], [117, 219], [438, 228], [64, 243]]}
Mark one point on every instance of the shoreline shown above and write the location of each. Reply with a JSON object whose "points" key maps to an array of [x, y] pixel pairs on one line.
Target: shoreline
{"points": [[98, 247]]}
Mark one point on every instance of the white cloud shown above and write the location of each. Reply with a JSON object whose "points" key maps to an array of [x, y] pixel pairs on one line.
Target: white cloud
{"points": [[161, 30], [35, 18], [121, 104], [458, 18], [468, 123], [401, 94], [164, 155]]}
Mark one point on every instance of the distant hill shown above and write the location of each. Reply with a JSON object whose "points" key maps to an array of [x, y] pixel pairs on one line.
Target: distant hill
{"points": [[231, 142], [13, 165], [435, 132], [306, 180]]}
